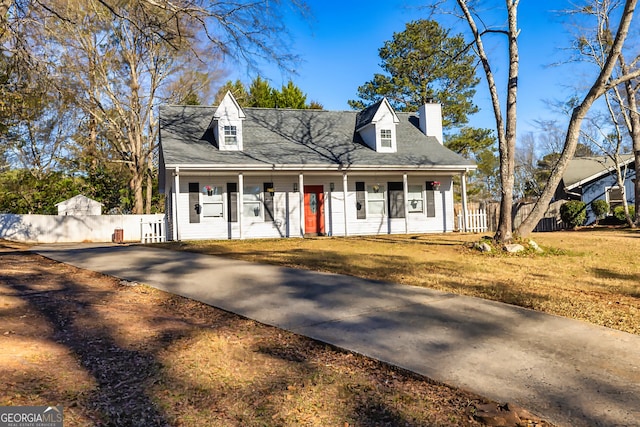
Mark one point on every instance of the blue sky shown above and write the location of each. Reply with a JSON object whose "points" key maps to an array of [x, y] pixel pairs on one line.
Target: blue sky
{"points": [[339, 49]]}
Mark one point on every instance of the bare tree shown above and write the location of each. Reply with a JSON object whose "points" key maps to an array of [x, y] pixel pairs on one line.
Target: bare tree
{"points": [[249, 30], [119, 73], [526, 183], [506, 126], [622, 105], [608, 136], [592, 45], [631, 115], [606, 80], [123, 58]]}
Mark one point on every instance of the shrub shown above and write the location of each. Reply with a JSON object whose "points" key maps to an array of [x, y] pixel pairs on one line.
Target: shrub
{"points": [[573, 213], [600, 208], [618, 212]]}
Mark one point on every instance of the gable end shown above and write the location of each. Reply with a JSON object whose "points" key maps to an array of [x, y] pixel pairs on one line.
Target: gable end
{"points": [[377, 127], [227, 124]]}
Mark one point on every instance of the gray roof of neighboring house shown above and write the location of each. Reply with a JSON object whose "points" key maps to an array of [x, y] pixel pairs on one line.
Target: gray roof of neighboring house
{"points": [[296, 138], [581, 170]]}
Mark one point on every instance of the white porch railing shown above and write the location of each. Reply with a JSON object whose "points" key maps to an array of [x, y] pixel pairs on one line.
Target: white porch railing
{"points": [[152, 231], [476, 221]]}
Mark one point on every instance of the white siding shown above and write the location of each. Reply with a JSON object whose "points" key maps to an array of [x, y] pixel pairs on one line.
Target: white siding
{"points": [[219, 227], [417, 222], [368, 135], [287, 208], [335, 205]]}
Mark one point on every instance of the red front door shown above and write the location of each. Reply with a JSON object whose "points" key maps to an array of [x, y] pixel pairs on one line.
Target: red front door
{"points": [[313, 209]]}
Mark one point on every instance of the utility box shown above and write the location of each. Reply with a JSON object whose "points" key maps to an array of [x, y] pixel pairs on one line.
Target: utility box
{"points": [[118, 235]]}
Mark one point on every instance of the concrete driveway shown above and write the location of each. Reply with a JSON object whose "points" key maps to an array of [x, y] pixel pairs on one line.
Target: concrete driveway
{"points": [[570, 372]]}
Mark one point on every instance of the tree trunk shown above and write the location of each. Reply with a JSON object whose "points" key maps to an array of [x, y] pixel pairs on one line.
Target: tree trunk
{"points": [[508, 146], [634, 131], [573, 132], [636, 151], [149, 193], [625, 206], [4, 13], [136, 189]]}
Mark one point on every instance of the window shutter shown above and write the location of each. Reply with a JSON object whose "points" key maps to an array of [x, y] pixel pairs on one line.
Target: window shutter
{"points": [[232, 201], [194, 202], [268, 201], [361, 205]]}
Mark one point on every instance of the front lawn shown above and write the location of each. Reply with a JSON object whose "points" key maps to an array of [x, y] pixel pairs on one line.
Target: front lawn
{"points": [[591, 275]]}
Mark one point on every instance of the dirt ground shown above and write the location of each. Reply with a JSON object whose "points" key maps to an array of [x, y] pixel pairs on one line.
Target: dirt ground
{"points": [[123, 354]]}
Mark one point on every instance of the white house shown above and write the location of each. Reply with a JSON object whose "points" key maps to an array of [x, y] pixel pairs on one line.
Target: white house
{"points": [[232, 173], [79, 206]]}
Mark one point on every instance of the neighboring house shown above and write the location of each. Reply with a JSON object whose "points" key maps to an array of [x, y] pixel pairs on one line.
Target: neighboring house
{"points": [[592, 178], [79, 205], [231, 173]]}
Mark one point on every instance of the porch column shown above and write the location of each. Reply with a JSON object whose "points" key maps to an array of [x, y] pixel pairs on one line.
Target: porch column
{"points": [[301, 204], [344, 197], [174, 204], [463, 190], [405, 195], [240, 201]]}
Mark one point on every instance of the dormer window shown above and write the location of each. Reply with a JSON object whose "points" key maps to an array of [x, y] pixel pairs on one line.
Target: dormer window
{"points": [[230, 135], [376, 125], [385, 138], [227, 124]]}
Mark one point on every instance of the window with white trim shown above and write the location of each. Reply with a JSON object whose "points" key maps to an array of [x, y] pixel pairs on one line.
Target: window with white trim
{"points": [[431, 204], [396, 200], [251, 201], [212, 202], [385, 138], [375, 200], [416, 201], [230, 135], [615, 197]]}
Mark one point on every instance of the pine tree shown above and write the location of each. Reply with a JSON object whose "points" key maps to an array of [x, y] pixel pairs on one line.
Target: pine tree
{"points": [[261, 94], [291, 96]]}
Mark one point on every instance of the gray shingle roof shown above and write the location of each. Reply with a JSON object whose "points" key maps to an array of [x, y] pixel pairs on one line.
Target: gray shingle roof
{"points": [[290, 138], [584, 169]]}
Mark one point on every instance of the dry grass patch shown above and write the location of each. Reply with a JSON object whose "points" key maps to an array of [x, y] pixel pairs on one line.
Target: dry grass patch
{"points": [[591, 275]]}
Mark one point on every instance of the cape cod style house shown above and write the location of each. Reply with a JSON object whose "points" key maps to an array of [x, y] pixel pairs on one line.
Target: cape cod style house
{"points": [[232, 173]]}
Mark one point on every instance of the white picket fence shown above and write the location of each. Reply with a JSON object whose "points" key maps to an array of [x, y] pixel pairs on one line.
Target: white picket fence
{"points": [[153, 231], [476, 221]]}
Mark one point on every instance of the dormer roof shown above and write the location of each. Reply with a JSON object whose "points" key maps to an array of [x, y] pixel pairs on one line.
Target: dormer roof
{"points": [[229, 107], [374, 113]]}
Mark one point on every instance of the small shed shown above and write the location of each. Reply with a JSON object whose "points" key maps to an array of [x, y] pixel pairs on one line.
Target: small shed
{"points": [[79, 205]]}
